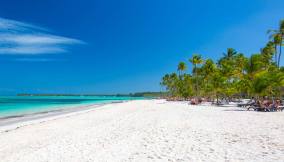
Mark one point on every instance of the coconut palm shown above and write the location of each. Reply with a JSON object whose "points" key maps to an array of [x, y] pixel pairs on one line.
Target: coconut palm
{"points": [[181, 68], [231, 52], [196, 60], [185, 88], [218, 82], [209, 67], [234, 73], [207, 70], [240, 63], [277, 42], [278, 37], [227, 62], [170, 81], [267, 53]]}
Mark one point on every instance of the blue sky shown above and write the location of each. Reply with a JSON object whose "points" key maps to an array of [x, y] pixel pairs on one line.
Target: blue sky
{"points": [[109, 46]]}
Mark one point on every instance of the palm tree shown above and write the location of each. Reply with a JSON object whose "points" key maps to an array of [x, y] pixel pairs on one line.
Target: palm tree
{"points": [[196, 60], [281, 32], [278, 37], [207, 71], [208, 68], [170, 81], [218, 81], [241, 62], [234, 73], [277, 42], [231, 52], [181, 68], [227, 62], [267, 53], [174, 81]]}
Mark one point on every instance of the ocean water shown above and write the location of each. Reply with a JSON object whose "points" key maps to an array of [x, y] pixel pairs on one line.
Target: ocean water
{"points": [[22, 105]]}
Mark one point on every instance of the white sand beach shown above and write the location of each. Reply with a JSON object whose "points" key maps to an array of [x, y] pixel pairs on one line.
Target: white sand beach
{"points": [[148, 130]]}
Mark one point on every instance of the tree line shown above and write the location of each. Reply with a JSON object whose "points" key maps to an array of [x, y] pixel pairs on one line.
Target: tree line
{"points": [[233, 75]]}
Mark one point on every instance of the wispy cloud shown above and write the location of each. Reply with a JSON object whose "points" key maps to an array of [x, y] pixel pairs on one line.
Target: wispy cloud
{"points": [[17, 26], [27, 39], [37, 60], [31, 50]]}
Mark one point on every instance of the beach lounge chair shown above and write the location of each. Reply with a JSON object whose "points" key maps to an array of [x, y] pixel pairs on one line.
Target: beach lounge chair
{"points": [[252, 107], [280, 108], [265, 108], [251, 102], [218, 103], [258, 107], [245, 104]]}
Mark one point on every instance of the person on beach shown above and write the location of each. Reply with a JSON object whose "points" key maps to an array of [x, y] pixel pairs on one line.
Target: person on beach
{"points": [[262, 105], [273, 106], [276, 105], [195, 101], [266, 102]]}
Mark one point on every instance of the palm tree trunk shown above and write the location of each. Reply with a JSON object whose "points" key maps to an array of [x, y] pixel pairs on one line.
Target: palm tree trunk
{"points": [[217, 98], [196, 83], [279, 56], [275, 46], [280, 51]]}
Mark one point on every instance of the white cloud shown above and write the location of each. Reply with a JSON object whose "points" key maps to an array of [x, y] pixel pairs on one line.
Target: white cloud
{"points": [[27, 39], [31, 50], [36, 60], [36, 39], [17, 26]]}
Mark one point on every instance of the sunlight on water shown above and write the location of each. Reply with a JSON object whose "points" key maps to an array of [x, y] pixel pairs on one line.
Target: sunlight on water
{"points": [[19, 105]]}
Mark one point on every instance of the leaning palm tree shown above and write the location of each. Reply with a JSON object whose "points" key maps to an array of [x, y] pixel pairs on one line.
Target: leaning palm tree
{"points": [[267, 53], [181, 68], [196, 60], [278, 37], [277, 42], [281, 31]]}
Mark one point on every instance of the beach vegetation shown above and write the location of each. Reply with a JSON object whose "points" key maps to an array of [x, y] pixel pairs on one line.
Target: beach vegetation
{"points": [[234, 74]]}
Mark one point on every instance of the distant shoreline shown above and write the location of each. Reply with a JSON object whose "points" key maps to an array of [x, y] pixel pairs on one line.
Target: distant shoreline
{"points": [[24, 94], [136, 94]]}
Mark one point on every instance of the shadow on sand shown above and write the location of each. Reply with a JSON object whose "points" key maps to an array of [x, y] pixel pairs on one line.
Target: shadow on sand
{"points": [[236, 110]]}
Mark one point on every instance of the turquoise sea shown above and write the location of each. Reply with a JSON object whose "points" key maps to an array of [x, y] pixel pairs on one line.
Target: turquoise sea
{"points": [[21, 105]]}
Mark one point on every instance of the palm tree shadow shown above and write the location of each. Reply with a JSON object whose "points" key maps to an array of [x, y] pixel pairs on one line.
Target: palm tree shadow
{"points": [[235, 110]]}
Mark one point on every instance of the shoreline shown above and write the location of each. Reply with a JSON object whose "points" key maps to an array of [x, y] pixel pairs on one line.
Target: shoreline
{"points": [[9, 123], [148, 130]]}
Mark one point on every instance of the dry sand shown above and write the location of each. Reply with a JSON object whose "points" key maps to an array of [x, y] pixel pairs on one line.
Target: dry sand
{"points": [[148, 130]]}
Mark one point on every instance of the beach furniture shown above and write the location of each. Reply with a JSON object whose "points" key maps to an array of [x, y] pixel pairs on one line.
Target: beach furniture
{"points": [[280, 108], [251, 102], [266, 109], [245, 104], [257, 108]]}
